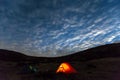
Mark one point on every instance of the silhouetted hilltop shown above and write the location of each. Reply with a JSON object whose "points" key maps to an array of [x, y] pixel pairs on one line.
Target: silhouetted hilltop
{"points": [[17, 66], [109, 50], [12, 55], [104, 51]]}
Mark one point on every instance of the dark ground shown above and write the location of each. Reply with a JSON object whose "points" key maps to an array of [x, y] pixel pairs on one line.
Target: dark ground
{"points": [[100, 63]]}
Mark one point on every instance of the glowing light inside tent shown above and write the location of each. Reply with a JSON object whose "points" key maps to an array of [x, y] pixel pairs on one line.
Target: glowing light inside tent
{"points": [[66, 68]]}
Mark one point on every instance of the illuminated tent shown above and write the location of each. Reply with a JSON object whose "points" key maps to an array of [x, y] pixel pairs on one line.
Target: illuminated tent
{"points": [[66, 68]]}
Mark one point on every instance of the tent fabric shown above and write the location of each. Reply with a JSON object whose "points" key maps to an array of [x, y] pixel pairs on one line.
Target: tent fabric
{"points": [[66, 68]]}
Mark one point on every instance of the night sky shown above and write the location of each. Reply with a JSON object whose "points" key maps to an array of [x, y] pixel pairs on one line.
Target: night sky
{"points": [[58, 27]]}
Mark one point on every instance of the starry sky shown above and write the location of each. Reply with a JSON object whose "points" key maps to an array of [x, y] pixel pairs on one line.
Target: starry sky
{"points": [[53, 28]]}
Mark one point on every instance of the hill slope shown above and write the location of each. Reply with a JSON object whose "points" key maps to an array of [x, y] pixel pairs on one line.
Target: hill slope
{"points": [[110, 50]]}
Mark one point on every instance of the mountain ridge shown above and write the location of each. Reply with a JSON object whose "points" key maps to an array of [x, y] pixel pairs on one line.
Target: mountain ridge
{"points": [[109, 50]]}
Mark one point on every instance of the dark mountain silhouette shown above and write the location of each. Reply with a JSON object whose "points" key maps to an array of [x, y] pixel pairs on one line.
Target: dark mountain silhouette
{"points": [[99, 63], [109, 50]]}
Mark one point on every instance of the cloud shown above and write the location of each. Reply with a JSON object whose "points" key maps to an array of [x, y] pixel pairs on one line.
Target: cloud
{"points": [[59, 27]]}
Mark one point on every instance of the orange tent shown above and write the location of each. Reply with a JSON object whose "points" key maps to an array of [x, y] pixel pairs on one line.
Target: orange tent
{"points": [[66, 68]]}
